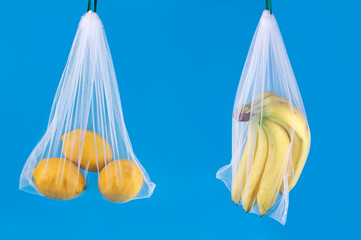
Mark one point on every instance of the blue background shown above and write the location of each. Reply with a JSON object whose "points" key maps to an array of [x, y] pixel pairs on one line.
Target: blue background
{"points": [[178, 64]]}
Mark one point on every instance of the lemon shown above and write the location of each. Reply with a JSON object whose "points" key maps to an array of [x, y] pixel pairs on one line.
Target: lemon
{"points": [[88, 148], [120, 181], [58, 178]]}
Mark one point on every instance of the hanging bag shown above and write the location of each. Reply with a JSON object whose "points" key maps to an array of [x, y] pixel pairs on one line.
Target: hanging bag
{"points": [[86, 132], [270, 133]]}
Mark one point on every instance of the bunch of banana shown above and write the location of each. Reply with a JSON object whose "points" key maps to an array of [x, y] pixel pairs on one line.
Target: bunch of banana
{"points": [[268, 157]]}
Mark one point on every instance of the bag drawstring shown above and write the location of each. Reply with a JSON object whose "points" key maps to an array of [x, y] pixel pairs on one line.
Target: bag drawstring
{"points": [[95, 5], [269, 6]]}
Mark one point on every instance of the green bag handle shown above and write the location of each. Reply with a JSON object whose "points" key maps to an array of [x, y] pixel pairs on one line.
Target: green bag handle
{"points": [[95, 5], [269, 5]]}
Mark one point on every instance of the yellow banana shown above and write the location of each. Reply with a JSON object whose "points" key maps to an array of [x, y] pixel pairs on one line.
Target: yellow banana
{"points": [[254, 176], [301, 142], [237, 186], [277, 158], [282, 122], [247, 156], [291, 119], [297, 145], [258, 104], [267, 101], [261, 97], [257, 100]]}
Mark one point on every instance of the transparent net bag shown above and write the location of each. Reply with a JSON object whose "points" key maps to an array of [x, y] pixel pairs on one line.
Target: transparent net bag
{"points": [[86, 131], [270, 133]]}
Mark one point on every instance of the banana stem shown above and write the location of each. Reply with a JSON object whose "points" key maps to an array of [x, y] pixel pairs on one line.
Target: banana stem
{"points": [[269, 5], [244, 116]]}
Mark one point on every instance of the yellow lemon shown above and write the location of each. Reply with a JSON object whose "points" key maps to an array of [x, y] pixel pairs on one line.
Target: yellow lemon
{"points": [[88, 148], [120, 181], [58, 178]]}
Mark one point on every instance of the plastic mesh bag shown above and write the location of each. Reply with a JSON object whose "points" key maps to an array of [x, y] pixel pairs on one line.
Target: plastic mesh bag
{"points": [[270, 134], [86, 130]]}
